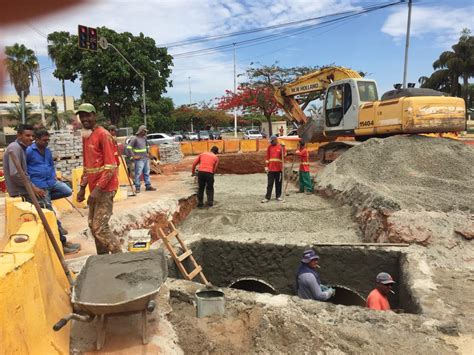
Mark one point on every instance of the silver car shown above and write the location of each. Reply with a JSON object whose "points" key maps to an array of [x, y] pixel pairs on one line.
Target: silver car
{"points": [[159, 138], [252, 134]]}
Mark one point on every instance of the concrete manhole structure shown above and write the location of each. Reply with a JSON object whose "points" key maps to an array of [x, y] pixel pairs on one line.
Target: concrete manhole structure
{"points": [[270, 268]]}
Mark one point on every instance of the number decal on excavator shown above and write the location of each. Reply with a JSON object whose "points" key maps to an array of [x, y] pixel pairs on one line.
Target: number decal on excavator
{"points": [[366, 123]]}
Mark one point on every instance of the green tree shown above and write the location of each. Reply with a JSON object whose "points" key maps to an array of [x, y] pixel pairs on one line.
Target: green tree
{"points": [[63, 50], [14, 114], [21, 62]]}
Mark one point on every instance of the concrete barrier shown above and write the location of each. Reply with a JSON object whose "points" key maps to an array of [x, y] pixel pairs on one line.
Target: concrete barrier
{"points": [[231, 145], [248, 145], [218, 144], [199, 147], [186, 148], [34, 290]]}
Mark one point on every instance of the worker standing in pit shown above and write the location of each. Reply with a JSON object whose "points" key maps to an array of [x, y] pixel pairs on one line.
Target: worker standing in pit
{"points": [[101, 174], [274, 168], [378, 297], [304, 176], [208, 162], [308, 282]]}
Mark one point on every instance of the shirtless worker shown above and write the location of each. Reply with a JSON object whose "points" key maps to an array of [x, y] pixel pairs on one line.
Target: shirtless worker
{"points": [[101, 174]]}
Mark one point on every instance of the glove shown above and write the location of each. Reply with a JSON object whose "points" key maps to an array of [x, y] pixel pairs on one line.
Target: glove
{"points": [[333, 292], [266, 169]]}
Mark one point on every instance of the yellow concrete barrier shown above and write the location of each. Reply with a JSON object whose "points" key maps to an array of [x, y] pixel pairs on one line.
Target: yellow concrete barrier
{"points": [[186, 148], [34, 290], [199, 147], [231, 145], [248, 145], [218, 144], [262, 145]]}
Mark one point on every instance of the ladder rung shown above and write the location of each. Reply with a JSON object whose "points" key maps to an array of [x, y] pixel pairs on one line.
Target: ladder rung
{"points": [[184, 255], [196, 271], [172, 234]]}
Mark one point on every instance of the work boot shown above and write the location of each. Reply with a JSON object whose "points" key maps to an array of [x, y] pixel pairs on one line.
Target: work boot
{"points": [[309, 192], [210, 204], [265, 200], [137, 190], [200, 205], [279, 199], [150, 188], [62, 231], [71, 248]]}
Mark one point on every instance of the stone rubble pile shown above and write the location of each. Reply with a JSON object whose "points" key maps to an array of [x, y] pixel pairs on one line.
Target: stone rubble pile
{"points": [[67, 147], [170, 153]]}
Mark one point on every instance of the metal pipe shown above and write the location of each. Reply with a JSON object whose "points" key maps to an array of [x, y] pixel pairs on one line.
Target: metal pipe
{"points": [[40, 212], [235, 93], [407, 45]]}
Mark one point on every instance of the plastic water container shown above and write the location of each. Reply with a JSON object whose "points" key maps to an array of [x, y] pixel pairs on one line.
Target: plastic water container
{"points": [[209, 302]]}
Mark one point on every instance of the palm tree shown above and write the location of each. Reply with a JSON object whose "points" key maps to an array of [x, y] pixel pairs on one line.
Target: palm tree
{"points": [[21, 64]]}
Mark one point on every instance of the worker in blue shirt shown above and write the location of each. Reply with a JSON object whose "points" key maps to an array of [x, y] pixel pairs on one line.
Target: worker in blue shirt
{"points": [[308, 282], [42, 173]]}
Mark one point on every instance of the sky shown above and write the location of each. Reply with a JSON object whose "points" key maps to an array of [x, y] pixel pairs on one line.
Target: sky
{"points": [[373, 43]]}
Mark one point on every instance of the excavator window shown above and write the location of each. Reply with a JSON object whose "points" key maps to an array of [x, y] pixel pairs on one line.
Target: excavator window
{"points": [[367, 91], [338, 101]]}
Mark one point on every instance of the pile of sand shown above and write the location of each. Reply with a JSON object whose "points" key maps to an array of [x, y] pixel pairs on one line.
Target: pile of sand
{"points": [[405, 188]]}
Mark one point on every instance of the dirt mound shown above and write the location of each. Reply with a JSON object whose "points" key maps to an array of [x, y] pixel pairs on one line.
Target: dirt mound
{"points": [[405, 188]]}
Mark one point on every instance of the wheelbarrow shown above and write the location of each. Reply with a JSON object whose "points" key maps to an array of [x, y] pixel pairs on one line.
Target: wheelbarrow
{"points": [[117, 284]]}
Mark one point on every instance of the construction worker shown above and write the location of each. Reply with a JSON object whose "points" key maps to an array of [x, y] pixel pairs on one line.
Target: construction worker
{"points": [[208, 162], [101, 174], [42, 173], [113, 132], [378, 297], [282, 131], [304, 176], [137, 149], [274, 168], [308, 282]]}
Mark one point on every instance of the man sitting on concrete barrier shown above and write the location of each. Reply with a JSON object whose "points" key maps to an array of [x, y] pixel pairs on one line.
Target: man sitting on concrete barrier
{"points": [[208, 162], [42, 173], [308, 282], [378, 297]]}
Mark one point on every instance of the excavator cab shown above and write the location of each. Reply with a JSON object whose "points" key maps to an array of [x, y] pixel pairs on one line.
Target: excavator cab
{"points": [[341, 106]]}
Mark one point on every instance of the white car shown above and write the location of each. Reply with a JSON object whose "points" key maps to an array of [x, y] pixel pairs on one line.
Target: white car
{"points": [[159, 138], [252, 134]]}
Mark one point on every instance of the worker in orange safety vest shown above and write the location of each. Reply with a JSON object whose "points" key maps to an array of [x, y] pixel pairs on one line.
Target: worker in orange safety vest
{"points": [[304, 176], [274, 168]]}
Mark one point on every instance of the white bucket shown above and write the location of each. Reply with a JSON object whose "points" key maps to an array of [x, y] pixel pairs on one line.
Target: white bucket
{"points": [[209, 302]]}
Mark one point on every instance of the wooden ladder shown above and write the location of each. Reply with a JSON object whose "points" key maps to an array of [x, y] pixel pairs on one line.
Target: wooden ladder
{"points": [[178, 259]]}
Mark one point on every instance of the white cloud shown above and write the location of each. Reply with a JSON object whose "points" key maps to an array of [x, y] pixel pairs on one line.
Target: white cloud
{"points": [[176, 20], [444, 23]]}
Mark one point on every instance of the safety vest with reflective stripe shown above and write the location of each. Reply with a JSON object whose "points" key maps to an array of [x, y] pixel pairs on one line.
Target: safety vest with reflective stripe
{"points": [[273, 160], [304, 159], [137, 148]]}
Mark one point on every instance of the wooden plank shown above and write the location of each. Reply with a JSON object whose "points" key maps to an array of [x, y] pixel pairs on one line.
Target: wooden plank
{"points": [[172, 235], [193, 273], [361, 244], [184, 255]]}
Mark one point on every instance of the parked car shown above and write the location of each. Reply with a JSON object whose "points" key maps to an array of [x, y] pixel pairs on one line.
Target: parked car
{"points": [[252, 134], [204, 135], [216, 135], [191, 136], [178, 137], [159, 138]]}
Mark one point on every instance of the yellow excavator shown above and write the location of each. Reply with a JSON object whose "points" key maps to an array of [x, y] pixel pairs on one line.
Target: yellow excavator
{"points": [[352, 109]]}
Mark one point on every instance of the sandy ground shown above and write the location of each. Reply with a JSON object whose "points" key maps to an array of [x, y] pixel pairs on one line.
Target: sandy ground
{"points": [[239, 215]]}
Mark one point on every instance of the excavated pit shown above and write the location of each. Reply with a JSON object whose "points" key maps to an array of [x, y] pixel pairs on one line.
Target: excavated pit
{"points": [[270, 268]]}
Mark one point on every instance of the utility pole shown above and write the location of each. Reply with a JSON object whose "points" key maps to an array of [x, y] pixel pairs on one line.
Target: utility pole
{"points": [[407, 45], [40, 89], [190, 101], [23, 116], [235, 93], [104, 44]]}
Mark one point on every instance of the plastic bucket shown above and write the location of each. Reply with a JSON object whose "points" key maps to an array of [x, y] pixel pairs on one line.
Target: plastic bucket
{"points": [[209, 302]]}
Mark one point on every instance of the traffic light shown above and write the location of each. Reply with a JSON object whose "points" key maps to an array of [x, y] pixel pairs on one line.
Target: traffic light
{"points": [[87, 38], [92, 39], [82, 37]]}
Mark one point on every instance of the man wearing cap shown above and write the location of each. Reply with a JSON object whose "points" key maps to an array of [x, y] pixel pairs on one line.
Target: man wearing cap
{"points": [[101, 174], [308, 282], [304, 176], [274, 168], [137, 149], [378, 297]]}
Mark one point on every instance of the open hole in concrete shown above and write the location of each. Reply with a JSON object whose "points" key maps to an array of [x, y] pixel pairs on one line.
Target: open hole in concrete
{"points": [[271, 268], [253, 285]]}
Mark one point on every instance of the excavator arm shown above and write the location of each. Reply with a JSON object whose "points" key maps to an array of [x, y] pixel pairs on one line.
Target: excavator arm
{"points": [[313, 82]]}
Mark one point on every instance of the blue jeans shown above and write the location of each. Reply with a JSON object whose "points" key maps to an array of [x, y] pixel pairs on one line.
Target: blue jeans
{"points": [[57, 191], [142, 166]]}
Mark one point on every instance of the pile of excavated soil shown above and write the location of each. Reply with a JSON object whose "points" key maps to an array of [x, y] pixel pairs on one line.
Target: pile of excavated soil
{"points": [[412, 189], [405, 172], [116, 278]]}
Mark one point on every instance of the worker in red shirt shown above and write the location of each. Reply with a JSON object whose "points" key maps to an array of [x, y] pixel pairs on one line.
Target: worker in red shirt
{"points": [[113, 132], [305, 178], [101, 174], [274, 168], [378, 297], [208, 162]]}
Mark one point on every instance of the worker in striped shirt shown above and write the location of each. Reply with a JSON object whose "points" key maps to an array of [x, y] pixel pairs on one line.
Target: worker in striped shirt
{"points": [[305, 178], [137, 149]]}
